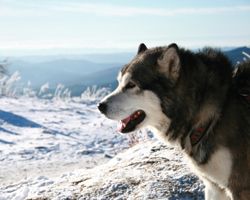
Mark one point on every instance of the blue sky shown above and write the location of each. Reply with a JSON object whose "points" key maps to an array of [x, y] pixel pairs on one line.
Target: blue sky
{"points": [[77, 26]]}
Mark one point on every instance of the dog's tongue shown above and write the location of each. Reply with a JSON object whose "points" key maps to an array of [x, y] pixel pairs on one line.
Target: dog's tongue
{"points": [[120, 124]]}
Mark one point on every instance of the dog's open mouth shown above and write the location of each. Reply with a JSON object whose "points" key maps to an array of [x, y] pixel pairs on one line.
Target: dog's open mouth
{"points": [[129, 124]]}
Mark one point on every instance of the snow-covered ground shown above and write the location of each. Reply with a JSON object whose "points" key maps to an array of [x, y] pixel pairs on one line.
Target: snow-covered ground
{"points": [[66, 150], [38, 136]]}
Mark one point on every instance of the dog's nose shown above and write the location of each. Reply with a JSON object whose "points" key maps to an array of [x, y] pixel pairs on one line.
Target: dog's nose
{"points": [[102, 107]]}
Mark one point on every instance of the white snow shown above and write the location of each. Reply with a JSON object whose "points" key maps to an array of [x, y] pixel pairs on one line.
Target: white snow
{"points": [[52, 149]]}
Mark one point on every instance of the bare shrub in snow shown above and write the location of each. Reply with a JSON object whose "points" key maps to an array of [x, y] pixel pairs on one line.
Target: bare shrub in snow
{"points": [[8, 85], [43, 88], [94, 93], [62, 93], [3, 67], [29, 93]]}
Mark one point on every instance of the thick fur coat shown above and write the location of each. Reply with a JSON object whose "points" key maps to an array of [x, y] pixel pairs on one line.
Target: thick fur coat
{"points": [[176, 92]]}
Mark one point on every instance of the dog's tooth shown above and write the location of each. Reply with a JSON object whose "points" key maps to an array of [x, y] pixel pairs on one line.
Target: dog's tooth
{"points": [[135, 116], [123, 125], [139, 112]]}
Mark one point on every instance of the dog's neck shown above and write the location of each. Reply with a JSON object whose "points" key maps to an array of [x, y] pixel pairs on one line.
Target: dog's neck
{"points": [[197, 134]]}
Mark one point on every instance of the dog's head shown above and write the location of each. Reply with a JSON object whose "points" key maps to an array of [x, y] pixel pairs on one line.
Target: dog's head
{"points": [[144, 87]]}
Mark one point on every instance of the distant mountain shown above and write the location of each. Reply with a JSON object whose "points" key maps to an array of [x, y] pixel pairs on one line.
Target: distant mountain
{"points": [[104, 78], [58, 71], [95, 58], [236, 55], [77, 72]]}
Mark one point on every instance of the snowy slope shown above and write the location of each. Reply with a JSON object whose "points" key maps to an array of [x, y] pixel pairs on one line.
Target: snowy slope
{"points": [[149, 170], [56, 150], [38, 136]]}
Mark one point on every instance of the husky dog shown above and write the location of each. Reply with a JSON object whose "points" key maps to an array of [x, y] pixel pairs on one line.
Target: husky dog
{"points": [[196, 101]]}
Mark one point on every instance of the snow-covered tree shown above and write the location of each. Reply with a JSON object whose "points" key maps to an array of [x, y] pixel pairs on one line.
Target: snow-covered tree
{"points": [[3, 67]]}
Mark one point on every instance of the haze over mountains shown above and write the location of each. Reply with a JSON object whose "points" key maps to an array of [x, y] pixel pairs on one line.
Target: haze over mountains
{"points": [[77, 72]]}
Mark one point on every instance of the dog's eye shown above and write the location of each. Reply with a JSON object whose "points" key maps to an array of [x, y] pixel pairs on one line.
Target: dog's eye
{"points": [[130, 85]]}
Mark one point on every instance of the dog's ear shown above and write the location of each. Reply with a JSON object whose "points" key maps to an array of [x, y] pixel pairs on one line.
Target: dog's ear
{"points": [[142, 47], [169, 62]]}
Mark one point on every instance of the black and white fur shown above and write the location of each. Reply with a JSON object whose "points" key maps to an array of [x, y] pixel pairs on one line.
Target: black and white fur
{"points": [[178, 91]]}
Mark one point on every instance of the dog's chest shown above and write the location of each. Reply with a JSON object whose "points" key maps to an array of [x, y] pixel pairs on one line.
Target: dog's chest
{"points": [[217, 169]]}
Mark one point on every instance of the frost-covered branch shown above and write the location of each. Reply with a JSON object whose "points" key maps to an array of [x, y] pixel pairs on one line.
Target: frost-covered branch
{"points": [[3, 67], [246, 54], [8, 85], [94, 93], [43, 88]]}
